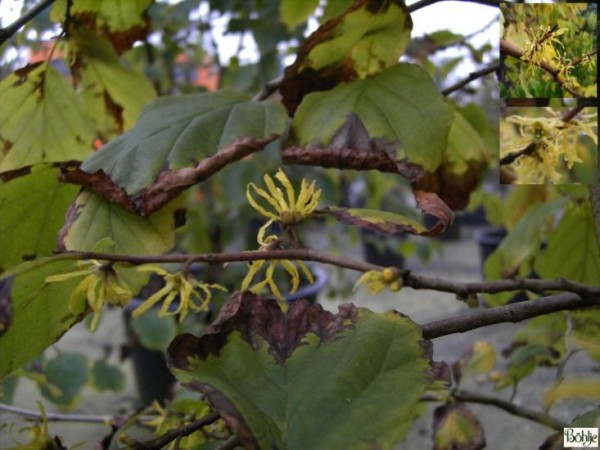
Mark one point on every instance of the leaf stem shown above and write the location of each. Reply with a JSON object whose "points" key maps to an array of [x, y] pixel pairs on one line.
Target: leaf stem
{"points": [[268, 89], [7, 32]]}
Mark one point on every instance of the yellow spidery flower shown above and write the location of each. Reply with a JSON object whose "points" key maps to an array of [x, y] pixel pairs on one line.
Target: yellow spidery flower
{"points": [[177, 285], [255, 267], [288, 211], [376, 281], [100, 286]]}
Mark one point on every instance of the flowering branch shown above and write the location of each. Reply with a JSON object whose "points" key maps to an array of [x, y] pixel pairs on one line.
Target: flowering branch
{"points": [[510, 49]]}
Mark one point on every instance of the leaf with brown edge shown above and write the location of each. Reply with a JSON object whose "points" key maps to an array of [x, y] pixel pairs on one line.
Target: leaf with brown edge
{"points": [[318, 380], [368, 37], [352, 148], [457, 428], [123, 22], [465, 157], [387, 222]]}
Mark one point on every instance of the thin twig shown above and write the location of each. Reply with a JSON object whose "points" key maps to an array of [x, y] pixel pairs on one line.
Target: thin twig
{"points": [[539, 417], [511, 157], [171, 435], [230, 443], [472, 76], [9, 31], [423, 3], [508, 313], [58, 417]]}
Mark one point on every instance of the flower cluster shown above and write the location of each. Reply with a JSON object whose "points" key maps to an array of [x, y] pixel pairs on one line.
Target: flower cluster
{"points": [[554, 139], [101, 285], [376, 281], [183, 287], [288, 209]]}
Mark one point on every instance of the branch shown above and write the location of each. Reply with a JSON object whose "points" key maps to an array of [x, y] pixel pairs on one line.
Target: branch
{"points": [[57, 417], [423, 3], [472, 397], [9, 31], [578, 61], [508, 313], [472, 76], [171, 435], [511, 49], [462, 289]]}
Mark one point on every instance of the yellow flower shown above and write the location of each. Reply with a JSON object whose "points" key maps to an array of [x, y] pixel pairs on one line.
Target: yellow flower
{"points": [[288, 211], [101, 285], [177, 285], [376, 281], [255, 267]]}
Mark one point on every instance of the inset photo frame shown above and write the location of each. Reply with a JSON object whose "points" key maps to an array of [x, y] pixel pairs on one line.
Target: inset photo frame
{"points": [[548, 50]]}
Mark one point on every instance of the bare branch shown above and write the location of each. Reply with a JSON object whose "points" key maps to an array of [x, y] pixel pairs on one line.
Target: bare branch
{"points": [[472, 76], [471, 397], [9, 31], [508, 313]]}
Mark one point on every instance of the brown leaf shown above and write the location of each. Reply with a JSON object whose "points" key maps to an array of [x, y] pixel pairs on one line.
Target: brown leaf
{"points": [[430, 203], [352, 148], [169, 183], [454, 190]]}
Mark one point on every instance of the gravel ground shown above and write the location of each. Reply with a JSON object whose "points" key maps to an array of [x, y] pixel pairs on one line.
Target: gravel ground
{"points": [[459, 261]]}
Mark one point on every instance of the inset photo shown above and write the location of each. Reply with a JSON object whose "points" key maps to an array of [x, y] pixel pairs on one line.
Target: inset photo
{"points": [[549, 145], [548, 50]]}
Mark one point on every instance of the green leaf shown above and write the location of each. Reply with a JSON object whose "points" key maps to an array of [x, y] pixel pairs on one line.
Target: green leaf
{"points": [[522, 243], [368, 37], [585, 331], [122, 22], [583, 388], [457, 428], [294, 13], [177, 132], [67, 374], [92, 219], [41, 119], [573, 250], [113, 95], [155, 333], [40, 311], [400, 107], [107, 377], [324, 383], [33, 211], [334, 8]]}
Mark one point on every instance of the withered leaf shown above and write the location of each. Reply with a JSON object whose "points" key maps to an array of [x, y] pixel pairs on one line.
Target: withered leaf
{"points": [[457, 428], [352, 148]]}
